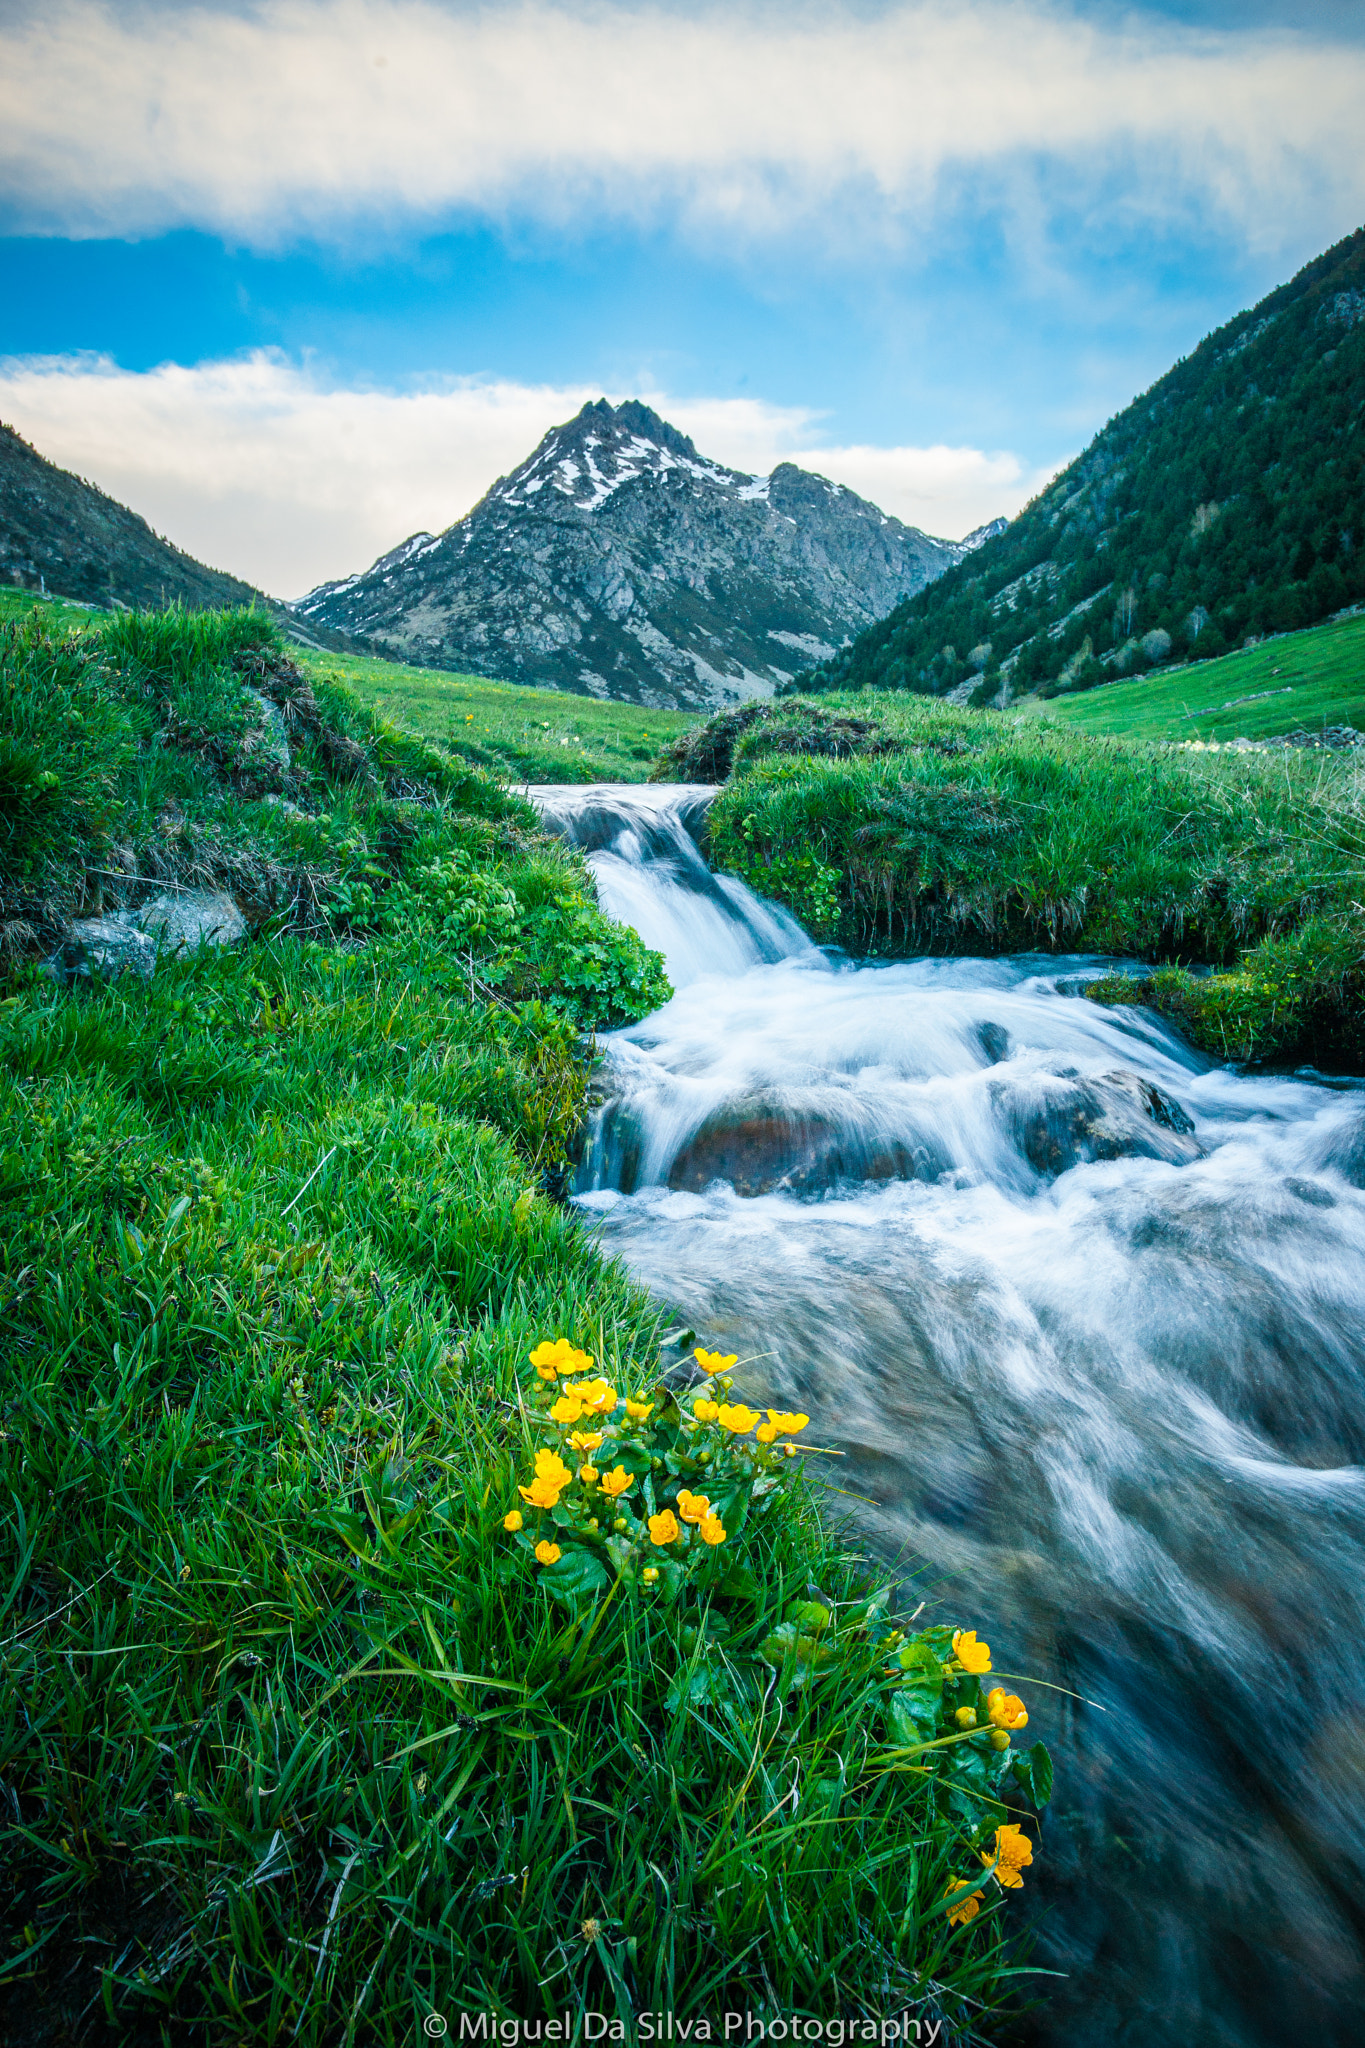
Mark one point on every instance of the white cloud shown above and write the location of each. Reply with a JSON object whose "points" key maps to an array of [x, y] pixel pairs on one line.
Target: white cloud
{"points": [[290, 116], [256, 467]]}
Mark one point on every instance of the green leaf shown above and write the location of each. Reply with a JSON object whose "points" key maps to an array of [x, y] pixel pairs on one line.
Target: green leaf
{"points": [[1033, 1769], [577, 1575]]}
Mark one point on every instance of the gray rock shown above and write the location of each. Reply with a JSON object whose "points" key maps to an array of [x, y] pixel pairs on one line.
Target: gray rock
{"points": [[190, 918], [101, 948], [1066, 1120]]}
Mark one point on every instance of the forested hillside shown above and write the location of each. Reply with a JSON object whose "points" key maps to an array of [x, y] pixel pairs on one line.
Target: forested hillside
{"points": [[1227, 502]]}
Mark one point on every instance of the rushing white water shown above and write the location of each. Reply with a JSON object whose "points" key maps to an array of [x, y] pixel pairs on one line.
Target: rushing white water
{"points": [[1086, 1316]]}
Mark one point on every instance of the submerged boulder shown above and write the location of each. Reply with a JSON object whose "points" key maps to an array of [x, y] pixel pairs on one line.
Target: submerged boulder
{"points": [[762, 1149], [1075, 1119]]}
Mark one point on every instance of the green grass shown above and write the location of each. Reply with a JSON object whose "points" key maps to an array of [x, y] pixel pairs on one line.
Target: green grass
{"points": [[1295, 682], [531, 735], [295, 1743], [983, 832]]}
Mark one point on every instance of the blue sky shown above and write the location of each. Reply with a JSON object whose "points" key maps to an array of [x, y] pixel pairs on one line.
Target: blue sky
{"points": [[298, 277]]}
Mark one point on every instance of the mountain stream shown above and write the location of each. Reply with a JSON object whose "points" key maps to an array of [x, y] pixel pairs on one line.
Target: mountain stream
{"points": [[1084, 1313]]}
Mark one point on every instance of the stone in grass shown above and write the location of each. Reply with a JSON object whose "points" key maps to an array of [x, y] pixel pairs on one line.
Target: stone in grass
{"points": [[189, 918], [101, 948], [270, 741]]}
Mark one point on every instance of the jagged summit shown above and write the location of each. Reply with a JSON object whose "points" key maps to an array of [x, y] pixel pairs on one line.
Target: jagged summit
{"points": [[620, 561]]}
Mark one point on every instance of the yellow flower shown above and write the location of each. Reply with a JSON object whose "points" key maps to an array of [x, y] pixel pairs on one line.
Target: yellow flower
{"points": [[765, 1432], [639, 1411], [587, 1473], [617, 1481], [968, 1910], [1006, 1709], [663, 1529], [512, 1522], [705, 1411], [1013, 1852], [711, 1529], [965, 1717], [586, 1439], [551, 1467], [649, 1574], [787, 1425], [597, 1397], [541, 1493], [559, 1357], [971, 1655], [693, 1507], [735, 1417], [567, 1409], [548, 1553], [712, 1361]]}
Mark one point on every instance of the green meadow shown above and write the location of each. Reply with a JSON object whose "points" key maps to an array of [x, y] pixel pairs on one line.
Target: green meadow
{"points": [[1296, 682], [529, 735]]}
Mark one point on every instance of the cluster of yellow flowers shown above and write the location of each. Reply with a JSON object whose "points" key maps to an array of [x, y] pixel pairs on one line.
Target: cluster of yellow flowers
{"points": [[591, 1414], [1010, 1856]]}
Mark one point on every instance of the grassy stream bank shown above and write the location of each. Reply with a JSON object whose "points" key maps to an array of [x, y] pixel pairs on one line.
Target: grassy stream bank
{"points": [[298, 1739], [891, 825]]}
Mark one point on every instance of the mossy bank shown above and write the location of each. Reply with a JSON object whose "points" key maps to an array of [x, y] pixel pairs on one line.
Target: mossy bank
{"points": [[891, 825], [297, 1739]]}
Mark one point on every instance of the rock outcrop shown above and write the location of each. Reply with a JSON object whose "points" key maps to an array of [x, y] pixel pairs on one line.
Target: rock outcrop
{"points": [[619, 562]]}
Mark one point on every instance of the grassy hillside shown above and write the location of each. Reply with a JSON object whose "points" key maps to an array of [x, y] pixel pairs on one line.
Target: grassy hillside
{"points": [[1296, 682], [1228, 501], [889, 825], [531, 735], [302, 1737]]}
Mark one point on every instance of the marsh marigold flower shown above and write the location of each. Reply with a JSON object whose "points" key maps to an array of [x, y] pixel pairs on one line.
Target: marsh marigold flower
{"points": [[711, 1529], [596, 1397], [512, 1522], [693, 1507], [639, 1411], [971, 1655], [650, 1574], [663, 1528], [734, 1416], [559, 1357], [787, 1424], [1006, 1709], [616, 1482], [587, 1473], [586, 1439], [765, 1432], [1013, 1852], [541, 1493], [705, 1411], [566, 1409], [958, 1916], [548, 1553], [712, 1361]]}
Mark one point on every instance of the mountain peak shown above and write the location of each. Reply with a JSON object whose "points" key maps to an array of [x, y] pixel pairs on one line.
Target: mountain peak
{"points": [[618, 561]]}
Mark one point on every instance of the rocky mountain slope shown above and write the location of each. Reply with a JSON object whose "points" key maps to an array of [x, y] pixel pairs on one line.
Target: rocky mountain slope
{"points": [[617, 561], [59, 532], [1226, 503]]}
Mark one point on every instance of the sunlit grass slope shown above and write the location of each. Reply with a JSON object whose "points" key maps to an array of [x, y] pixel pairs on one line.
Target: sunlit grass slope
{"points": [[531, 735], [298, 1744], [1297, 681]]}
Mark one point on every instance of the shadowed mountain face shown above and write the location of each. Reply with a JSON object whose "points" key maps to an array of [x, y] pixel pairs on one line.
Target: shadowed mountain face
{"points": [[1226, 503], [618, 562], [59, 531]]}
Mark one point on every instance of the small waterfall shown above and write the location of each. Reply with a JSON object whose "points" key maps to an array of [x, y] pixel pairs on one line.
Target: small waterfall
{"points": [[640, 840], [1086, 1316]]}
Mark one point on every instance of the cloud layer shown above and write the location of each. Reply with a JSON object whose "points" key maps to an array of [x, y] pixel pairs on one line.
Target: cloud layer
{"points": [[256, 468], [287, 117]]}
